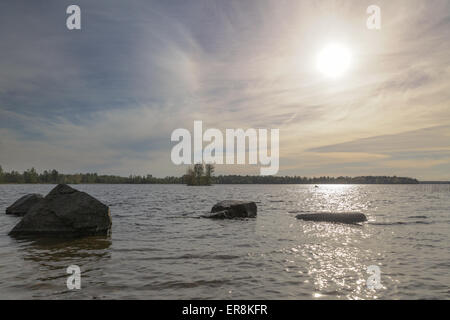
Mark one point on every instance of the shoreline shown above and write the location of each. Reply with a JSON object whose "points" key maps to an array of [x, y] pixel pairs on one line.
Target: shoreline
{"points": [[214, 184]]}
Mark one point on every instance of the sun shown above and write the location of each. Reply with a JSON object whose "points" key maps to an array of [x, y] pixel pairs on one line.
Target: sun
{"points": [[334, 60]]}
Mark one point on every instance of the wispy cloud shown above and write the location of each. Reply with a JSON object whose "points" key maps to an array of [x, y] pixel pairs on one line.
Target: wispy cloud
{"points": [[107, 97]]}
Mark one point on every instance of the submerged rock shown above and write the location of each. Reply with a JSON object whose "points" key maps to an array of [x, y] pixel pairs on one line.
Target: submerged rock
{"points": [[230, 209], [343, 217], [65, 211], [23, 204]]}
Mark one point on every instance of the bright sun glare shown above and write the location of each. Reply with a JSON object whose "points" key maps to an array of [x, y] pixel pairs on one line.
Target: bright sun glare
{"points": [[334, 60]]}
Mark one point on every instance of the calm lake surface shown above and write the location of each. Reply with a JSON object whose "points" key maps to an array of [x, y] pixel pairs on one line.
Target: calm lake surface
{"points": [[159, 248]]}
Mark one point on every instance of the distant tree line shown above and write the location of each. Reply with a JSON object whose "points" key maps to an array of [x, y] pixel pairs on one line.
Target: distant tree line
{"points": [[200, 175], [54, 177]]}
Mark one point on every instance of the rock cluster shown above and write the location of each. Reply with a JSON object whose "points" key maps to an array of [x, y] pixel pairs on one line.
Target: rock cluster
{"points": [[65, 211]]}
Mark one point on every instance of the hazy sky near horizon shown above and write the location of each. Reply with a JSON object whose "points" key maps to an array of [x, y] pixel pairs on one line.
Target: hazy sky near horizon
{"points": [[107, 98]]}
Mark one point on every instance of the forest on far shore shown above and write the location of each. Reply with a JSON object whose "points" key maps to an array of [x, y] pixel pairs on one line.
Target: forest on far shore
{"points": [[55, 177]]}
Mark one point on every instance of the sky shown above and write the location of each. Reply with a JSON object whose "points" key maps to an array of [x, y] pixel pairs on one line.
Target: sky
{"points": [[106, 98]]}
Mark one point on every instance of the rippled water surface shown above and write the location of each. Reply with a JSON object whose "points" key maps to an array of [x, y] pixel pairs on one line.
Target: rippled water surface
{"points": [[159, 248]]}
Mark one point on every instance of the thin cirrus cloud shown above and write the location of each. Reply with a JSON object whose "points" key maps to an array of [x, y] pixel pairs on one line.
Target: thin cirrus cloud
{"points": [[107, 98]]}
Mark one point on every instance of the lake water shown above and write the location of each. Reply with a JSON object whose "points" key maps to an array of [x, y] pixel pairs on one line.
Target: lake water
{"points": [[159, 248]]}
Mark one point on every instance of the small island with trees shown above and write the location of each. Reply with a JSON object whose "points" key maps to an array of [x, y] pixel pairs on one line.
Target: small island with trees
{"points": [[199, 175]]}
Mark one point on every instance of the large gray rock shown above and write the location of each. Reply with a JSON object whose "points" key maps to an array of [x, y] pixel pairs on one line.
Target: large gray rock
{"points": [[342, 217], [231, 209], [65, 211], [23, 204]]}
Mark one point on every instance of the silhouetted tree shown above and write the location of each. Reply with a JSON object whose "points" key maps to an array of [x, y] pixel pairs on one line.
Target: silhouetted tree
{"points": [[198, 171], [209, 171]]}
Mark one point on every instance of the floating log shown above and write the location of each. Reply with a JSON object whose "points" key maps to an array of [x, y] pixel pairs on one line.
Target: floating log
{"points": [[342, 217]]}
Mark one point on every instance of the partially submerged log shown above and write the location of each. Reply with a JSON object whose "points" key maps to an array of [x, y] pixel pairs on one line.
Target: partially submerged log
{"points": [[341, 217]]}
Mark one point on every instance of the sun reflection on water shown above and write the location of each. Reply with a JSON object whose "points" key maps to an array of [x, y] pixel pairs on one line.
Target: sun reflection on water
{"points": [[334, 257]]}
